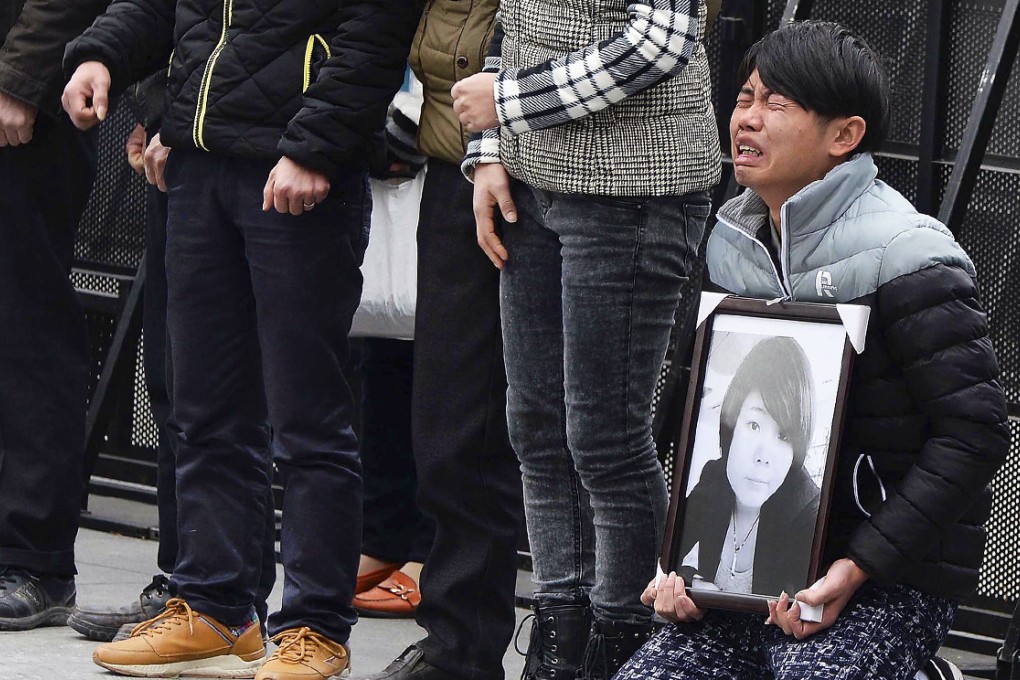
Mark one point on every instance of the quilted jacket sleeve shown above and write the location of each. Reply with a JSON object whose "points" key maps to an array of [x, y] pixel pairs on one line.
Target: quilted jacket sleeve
{"points": [[30, 54], [937, 332], [132, 39], [346, 106]]}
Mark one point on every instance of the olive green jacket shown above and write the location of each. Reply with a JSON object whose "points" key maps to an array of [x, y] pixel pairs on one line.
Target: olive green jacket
{"points": [[451, 44]]}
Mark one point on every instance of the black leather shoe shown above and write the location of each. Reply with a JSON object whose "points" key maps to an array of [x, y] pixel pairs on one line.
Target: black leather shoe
{"points": [[29, 601], [411, 665], [101, 625]]}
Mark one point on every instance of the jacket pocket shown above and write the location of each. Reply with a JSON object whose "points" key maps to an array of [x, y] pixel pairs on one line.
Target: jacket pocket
{"points": [[316, 52]]}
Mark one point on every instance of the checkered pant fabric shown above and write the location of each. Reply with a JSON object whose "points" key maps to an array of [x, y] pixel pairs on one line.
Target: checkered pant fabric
{"points": [[886, 632]]}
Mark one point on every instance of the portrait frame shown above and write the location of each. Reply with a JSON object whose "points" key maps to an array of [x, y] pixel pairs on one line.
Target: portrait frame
{"points": [[828, 336]]}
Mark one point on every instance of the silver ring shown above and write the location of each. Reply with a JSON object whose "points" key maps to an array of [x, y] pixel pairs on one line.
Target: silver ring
{"points": [[307, 206]]}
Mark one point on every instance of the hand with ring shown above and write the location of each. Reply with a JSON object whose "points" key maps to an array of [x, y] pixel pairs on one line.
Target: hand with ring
{"points": [[293, 188]]}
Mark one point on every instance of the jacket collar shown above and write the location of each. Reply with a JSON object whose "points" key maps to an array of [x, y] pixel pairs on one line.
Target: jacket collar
{"points": [[814, 207]]}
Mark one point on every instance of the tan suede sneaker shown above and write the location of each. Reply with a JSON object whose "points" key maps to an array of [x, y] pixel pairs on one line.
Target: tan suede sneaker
{"points": [[181, 641], [303, 654]]}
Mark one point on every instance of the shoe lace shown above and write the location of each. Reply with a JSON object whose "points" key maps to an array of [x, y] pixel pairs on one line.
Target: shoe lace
{"points": [[545, 653], [594, 653], [534, 641], [297, 645], [176, 609], [534, 634]]}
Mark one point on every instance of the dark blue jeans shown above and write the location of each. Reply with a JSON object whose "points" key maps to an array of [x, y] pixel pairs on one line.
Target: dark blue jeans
{"points": [[44, 344], [885, 632], [258, 310], [588, 299], [156, 359]]}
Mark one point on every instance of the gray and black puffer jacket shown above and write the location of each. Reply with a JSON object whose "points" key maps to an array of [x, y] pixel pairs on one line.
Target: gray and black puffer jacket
{"points": [[926, 424], [309, 79]]}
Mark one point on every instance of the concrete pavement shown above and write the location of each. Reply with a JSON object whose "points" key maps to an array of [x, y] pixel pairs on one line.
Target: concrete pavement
{"points": [[112, 571]]}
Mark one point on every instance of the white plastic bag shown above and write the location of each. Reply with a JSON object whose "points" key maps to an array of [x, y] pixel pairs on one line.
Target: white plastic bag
{"points": [[391, 262]]}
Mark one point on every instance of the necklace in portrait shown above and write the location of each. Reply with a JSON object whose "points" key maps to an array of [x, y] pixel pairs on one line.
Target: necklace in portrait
{"points": [[736, 546]]}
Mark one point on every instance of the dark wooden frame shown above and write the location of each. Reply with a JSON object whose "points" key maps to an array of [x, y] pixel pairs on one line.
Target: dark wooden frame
{"points": [[789, 311]]}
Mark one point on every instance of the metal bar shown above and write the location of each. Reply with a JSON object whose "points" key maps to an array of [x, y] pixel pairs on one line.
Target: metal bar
{"points": [[797, 10], [116, 371], [991, 89], [933, 106], [741, 23], [1006, 659]]}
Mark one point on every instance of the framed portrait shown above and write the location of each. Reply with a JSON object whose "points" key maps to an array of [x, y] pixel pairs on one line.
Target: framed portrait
{"points": [[754, 465]]}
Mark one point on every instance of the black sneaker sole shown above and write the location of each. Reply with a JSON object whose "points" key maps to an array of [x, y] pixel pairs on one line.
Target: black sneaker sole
{"points": [[96, 632], [55, 616]]}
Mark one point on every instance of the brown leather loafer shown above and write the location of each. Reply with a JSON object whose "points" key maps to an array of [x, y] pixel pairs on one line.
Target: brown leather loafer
{"points": [[371, 579], [395, 598]]}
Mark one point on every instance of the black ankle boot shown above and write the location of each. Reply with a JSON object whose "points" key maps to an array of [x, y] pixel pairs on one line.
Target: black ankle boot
{"points": [[610, 645], [559, 633]]}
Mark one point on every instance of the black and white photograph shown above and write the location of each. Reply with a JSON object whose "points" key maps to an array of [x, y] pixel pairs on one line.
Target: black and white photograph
{"points": [[758, 448]]}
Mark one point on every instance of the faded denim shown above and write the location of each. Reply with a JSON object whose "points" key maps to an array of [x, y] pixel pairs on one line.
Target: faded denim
{"points": [[588, 299]]}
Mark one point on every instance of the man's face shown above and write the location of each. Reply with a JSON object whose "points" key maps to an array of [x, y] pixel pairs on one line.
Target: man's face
{"points": [[778, 146]]}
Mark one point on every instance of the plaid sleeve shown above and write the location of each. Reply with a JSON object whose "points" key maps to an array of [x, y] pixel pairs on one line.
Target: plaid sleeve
{"points": [[658, 42], [483, 147]]}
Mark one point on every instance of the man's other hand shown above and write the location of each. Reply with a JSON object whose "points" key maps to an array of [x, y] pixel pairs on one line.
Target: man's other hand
{"points": [[474, 102], [87, 95], [135, 149], [17, 120], [293, 188], [155, 160]]}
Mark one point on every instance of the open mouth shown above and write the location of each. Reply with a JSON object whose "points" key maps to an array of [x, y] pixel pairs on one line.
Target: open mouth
{"points": [[745, 150]]}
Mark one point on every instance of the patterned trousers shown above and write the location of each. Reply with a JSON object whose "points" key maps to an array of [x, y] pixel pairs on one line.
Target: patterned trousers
{"points": [[885, 632]]}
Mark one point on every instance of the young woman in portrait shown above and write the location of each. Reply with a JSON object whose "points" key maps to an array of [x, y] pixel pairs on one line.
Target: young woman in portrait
{"points": [[753, 511]]}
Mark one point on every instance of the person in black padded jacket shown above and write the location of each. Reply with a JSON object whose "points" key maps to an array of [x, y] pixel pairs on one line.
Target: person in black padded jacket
{"points": [[273, 110], [46, 172]]}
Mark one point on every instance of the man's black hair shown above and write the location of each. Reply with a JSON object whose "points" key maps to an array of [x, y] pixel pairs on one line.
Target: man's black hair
{"points": [[826, 69]]}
